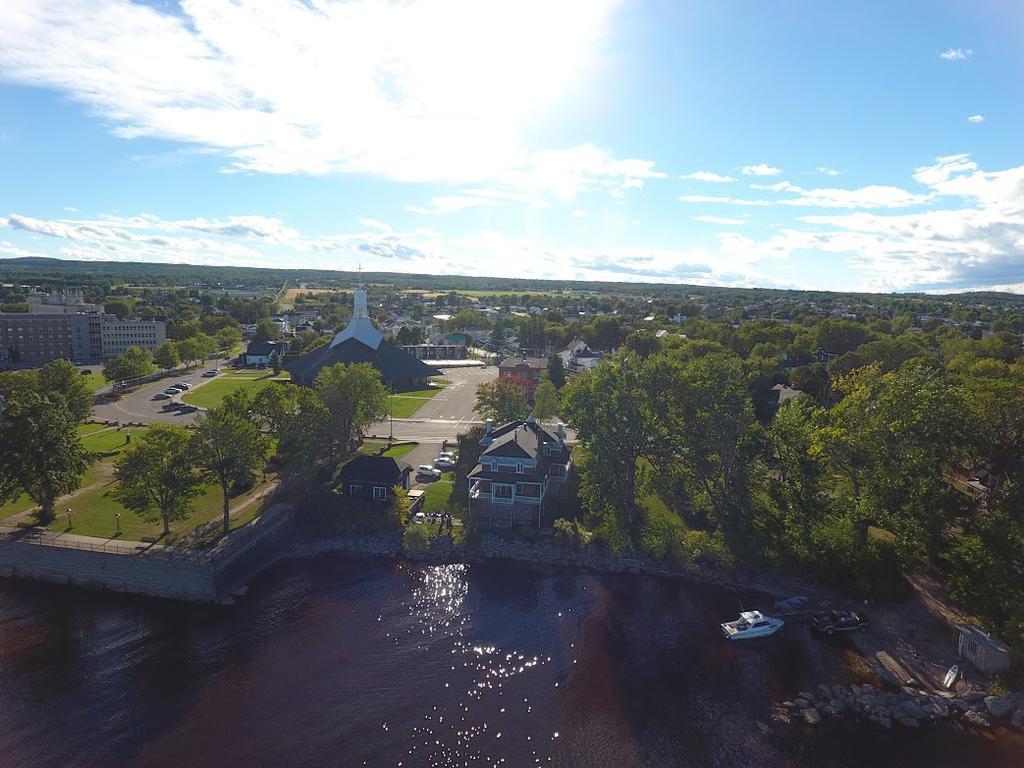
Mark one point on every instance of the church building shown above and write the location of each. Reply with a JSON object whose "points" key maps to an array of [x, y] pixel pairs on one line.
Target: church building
{"points": [[361, 342]]}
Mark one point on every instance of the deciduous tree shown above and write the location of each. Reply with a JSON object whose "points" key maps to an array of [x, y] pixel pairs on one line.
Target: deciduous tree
{"points": [[156, 479]]}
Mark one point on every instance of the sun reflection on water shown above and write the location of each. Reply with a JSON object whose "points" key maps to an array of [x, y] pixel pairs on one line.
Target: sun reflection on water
{"points": [[488, 721]]}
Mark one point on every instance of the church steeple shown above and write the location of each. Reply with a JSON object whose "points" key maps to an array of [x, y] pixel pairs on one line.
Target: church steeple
{"points": [[360, 327]]}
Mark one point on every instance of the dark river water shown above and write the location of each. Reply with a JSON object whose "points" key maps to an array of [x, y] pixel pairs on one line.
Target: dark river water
{"points": [[349, 662]]}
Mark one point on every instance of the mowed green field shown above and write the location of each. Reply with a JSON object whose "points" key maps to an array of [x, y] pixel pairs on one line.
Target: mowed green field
{"points": [[93, 513], [212, 393], [405, 404]]}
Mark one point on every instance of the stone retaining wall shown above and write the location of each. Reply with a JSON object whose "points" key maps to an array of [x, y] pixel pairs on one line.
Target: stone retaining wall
{"points": [[181, 575]]}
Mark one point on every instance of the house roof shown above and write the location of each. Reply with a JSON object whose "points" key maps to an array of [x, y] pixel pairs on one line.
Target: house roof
{"points": [[262, 348], [375, 469], [517, 439], [783, 394]]}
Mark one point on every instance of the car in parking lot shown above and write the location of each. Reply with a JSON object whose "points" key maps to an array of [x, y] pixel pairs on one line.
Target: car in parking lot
{"points": [[171, 391], [427, 472], [161, 396], [830, 622], [211, 373], [444, 462], [183, 385]]}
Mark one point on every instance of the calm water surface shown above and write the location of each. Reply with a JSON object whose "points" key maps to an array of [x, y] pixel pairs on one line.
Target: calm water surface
{"points": [[350, 662]]}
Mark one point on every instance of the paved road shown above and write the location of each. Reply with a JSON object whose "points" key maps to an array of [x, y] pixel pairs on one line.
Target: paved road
{"points": [[446, 414], [139, 406]]}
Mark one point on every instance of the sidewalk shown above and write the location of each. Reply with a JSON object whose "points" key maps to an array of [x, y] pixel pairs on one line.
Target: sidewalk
{"points": [[44, 537]]}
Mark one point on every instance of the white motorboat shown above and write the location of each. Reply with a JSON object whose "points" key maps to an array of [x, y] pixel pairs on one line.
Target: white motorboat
{"points": [[951, 676], [751, 624]]}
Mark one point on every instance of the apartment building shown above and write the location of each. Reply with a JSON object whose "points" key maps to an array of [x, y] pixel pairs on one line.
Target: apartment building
{"points": [[86, 338]]}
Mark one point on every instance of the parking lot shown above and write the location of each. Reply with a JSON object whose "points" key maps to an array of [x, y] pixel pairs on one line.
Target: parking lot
{"points": [[139, 405]]}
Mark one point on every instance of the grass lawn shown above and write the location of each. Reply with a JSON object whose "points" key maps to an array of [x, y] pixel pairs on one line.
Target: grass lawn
{"points": [[211, 395], [95, 381], [405, 404], [101, 471], [88, 429], [92, 514], [436, 495], [111, 441], [371, 447]]}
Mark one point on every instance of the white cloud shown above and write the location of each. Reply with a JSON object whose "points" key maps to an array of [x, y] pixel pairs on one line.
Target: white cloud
{"points": [[420, 90], [976, 119], [721, 199], [873, 196], [708, 176], [956, 54], [580, 213], [374, 224], [719, 220], [824, 170], [761, 169]]}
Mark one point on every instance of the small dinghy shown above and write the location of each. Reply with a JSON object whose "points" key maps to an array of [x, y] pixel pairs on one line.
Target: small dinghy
{"points": [[951, 676], [791, 604], [751, 624]]}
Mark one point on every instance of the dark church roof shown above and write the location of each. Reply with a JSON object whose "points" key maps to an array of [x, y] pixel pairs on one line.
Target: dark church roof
{"points": [[360, 342], [393, 363]]}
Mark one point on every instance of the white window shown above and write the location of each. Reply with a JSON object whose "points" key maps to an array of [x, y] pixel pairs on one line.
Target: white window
{"points": [[355, 490], [380, 492]]}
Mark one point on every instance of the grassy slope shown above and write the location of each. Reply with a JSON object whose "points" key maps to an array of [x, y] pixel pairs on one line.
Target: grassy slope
{"points": [[405, 404], [211, 394], [436, 495]]}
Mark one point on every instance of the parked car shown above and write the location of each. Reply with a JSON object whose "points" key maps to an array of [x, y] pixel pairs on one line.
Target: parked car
{"points": [[161, 396], [85, 372], [171, 391], [447, 455], [830, 622], [183, 385], [176, 388], [443, 462], [211, 373], [427, 472]]}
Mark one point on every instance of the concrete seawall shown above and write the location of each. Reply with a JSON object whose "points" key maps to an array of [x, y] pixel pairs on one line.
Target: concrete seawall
{"points": [[189, 575]]}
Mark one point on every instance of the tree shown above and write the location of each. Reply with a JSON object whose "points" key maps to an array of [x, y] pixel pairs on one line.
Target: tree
{"points": [[616, 428], [228, 336], [40, 452], [121, 308], [356, 398], [228, 446], [60, 379], [266, 330], [133, 363], [305, 436], [275, 362], [556, 371], [503, 399], [190, 350], [545, 400], [156, 479], [166, 356]]}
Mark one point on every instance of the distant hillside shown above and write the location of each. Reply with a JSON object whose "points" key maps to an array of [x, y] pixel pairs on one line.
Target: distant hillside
{"points": [[55, 273]]}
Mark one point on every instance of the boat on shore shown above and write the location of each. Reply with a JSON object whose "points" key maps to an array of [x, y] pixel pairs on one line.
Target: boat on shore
{"points": [[751, 624]]}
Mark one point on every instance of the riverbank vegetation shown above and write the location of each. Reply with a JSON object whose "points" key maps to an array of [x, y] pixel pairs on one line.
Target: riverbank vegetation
{"points": [[685, 453]]}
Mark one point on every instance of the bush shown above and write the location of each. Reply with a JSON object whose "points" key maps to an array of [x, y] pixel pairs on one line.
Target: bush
{"points": [[874, 570], [570, 533], [416, 538]]}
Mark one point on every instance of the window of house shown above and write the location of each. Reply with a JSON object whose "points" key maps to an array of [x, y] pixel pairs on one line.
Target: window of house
{"points": [[355, 490], [380, 492], [502, 491]]}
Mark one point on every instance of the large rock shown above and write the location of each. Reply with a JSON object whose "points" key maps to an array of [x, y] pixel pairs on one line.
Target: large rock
{"points": [[884, 721], [1018, 720], [811, 716], [973, 696], [912, 709], [976, 719], [998, 706]]}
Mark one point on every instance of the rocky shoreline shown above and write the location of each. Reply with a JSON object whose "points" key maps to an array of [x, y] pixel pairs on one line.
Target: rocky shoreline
{"points": [[906, 707]]}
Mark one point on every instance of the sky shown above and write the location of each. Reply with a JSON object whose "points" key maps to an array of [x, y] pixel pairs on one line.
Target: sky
{"points": [[820, 144]]}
